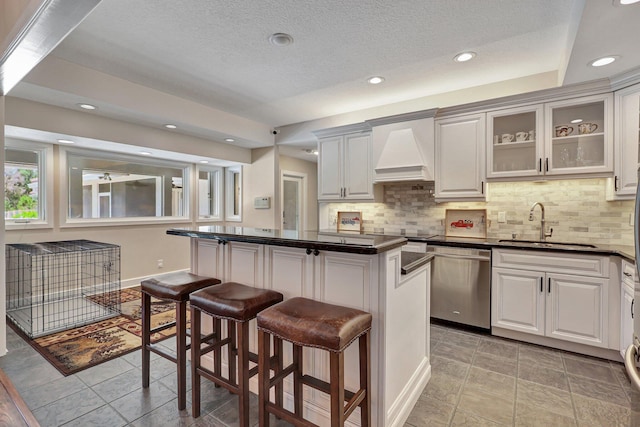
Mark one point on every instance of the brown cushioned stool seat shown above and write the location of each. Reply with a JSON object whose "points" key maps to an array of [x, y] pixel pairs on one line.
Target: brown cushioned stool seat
{"points": [[173, 287], [310, 323], [238, 304]]}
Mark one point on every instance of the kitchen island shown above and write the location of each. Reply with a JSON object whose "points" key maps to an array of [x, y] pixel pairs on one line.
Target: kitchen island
{"points": [[363, 272]]}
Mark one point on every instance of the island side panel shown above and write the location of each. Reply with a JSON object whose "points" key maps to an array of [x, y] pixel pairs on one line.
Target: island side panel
{"points": [[407, 367]]}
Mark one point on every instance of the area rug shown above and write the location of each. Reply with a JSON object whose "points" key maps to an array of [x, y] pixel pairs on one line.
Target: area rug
{"points": [[80, 348]]}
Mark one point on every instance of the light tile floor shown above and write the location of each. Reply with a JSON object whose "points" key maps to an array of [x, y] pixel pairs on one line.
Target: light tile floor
{"points": [[480, 380], [477, 380]]}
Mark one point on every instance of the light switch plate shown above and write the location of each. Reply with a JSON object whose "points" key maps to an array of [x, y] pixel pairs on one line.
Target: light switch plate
{"points": [[502, 217]]}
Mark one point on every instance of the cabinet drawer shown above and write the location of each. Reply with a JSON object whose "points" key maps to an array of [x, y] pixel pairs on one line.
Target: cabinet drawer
{"points": [[552, 262]]}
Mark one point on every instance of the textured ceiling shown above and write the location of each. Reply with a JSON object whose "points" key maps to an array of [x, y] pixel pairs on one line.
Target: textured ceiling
{"points": [[217, 52]]}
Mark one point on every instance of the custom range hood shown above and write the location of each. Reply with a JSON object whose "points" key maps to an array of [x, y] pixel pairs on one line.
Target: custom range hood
{"points": [[406, 147]]}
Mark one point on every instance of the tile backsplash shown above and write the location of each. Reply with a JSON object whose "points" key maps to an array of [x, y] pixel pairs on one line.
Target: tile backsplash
{"points": [[576, 210]]}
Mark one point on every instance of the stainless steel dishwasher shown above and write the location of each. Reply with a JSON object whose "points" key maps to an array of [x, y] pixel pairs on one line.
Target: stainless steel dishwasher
{"points": [[461, 285]]}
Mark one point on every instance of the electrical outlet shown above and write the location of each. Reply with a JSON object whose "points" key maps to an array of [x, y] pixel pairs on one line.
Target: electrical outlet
{"points": [[502, 217], [160, 263]]}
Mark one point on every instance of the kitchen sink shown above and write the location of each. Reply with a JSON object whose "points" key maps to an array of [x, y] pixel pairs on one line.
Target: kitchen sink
{"points": [[536, 243]]}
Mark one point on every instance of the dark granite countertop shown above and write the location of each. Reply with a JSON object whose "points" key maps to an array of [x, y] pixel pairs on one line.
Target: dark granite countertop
{"points": [[621, 250], [356, 243]]}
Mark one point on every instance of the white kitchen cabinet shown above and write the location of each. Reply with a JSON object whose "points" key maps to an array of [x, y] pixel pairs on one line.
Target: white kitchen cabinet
{"points": [[557, 295], [345, 166], [627, 284], [517, 300], [626, 141], [579, 136], [567, 137], [460, 158], [515, 142]]}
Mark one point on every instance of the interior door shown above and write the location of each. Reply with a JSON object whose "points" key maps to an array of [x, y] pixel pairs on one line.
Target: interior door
{"points": [[292, 204]]}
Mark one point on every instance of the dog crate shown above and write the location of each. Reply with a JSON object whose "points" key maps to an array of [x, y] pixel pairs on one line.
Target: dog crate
{"points": [[53, 286]]}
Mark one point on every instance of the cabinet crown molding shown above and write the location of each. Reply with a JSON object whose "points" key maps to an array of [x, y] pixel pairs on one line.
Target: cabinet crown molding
{"points": [[342, 130], [404, 117], [593, 87]]}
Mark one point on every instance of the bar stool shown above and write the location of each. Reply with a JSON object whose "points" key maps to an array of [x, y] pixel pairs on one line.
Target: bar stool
{"points": [[238, 304], [310, 323], [174, 287]]}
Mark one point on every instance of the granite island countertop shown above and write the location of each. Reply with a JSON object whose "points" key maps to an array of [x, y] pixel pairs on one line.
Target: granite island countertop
{"points": [[364, 244]]}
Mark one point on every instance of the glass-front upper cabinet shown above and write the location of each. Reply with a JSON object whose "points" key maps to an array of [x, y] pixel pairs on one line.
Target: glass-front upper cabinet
{"points": [[627, 144], [514, 143], [579, 136]]}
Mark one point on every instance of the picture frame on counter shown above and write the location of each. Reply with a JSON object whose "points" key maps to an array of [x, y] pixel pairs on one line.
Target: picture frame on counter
{"points": [[350, 221], [466, 223]]}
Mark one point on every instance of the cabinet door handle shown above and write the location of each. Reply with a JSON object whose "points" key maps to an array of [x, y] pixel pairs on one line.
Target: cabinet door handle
{"points": [[549, 285], [615, 183], [632, 302], [541, 290], [540, 164], [546, 165], [482, 187]]}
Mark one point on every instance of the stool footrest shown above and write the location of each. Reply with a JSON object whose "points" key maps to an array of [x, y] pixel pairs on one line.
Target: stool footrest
{"points": [[281, 375], [164, 353], [218, 379], [210, 347], [354, 402], [162, 327], [288, 416], [324, 386]]}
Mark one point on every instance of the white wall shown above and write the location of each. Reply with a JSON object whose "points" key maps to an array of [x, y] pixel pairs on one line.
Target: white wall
{"points": [[259, 180]]}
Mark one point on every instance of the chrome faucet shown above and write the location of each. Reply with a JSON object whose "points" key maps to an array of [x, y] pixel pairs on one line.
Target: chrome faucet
{"points": [[543, 233]]}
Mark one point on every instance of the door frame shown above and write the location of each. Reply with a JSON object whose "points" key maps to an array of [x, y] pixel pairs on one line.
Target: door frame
{"points": [[302, 177]]}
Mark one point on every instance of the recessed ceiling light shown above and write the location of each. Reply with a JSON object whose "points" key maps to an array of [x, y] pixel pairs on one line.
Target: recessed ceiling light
{"points": [[311, 151], [145, 153], [280, 39], [229, 140], [605, 60], [170, 126], [576, 121], [625, 2], [464, 56], [66, 141], [88, 106], [204, 161], [375, 80]]}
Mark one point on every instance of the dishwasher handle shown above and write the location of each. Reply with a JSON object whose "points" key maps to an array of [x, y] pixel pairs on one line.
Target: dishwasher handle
{"points": [[465, 257]]}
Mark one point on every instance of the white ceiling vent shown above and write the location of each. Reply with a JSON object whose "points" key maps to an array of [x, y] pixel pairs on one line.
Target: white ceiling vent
{"points": [[402, 159]]}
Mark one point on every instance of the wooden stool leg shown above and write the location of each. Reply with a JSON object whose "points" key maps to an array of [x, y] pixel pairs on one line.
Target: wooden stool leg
{"points": [[232, 350], [181, 352], [297, 380], [195, 361], [277, 352], [365, 380], [336, 361], [217, 351], [243, 372], [146, 338], [263, 378]]}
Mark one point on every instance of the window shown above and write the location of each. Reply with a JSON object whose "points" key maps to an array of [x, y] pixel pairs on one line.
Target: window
{"points": [[27, 170], [108, 188], [233, 190], [210, 191]]}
